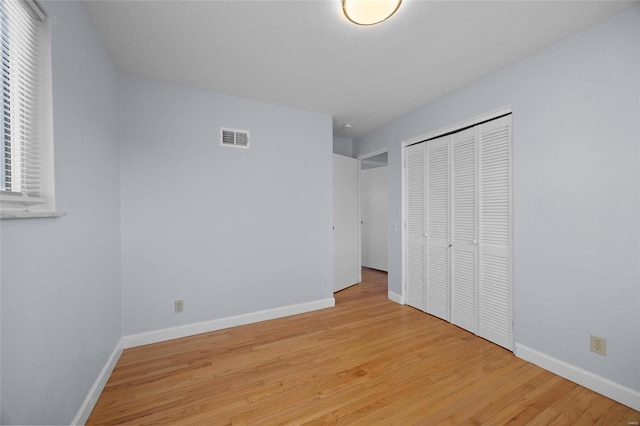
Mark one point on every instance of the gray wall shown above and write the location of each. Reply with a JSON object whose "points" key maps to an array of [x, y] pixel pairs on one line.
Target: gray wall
{"points": [[576, 191], [230, 231], [343, 146], [61, 277]]}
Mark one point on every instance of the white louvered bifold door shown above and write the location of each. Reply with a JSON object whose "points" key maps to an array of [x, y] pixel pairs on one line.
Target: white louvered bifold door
{"points": [[437, 227], [463, 230], [415, 187], [494, 219]]}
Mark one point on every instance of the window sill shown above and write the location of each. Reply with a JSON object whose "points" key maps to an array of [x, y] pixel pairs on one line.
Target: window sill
{"points": [[30, 215]]}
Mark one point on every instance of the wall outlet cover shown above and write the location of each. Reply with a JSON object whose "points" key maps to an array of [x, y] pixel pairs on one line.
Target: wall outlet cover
{"points": [[598, 345]]}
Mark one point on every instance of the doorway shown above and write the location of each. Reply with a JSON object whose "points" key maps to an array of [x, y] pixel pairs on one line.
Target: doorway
{"points": [[374, 201]]}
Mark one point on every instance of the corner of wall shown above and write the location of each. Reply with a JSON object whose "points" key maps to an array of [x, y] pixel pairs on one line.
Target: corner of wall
{"points": [[90, 400], [343, 146]]}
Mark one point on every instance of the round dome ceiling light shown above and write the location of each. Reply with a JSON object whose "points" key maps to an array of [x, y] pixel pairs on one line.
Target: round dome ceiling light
{"points": [[369, 12], [348, 126]]}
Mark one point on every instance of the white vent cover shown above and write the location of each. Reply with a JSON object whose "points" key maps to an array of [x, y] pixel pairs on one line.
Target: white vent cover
{"points": [[234, 138]]}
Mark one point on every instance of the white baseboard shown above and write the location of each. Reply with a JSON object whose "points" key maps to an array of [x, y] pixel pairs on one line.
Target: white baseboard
{"points": [[606, 387], [395, 297], [218, 324], [94, 393]]}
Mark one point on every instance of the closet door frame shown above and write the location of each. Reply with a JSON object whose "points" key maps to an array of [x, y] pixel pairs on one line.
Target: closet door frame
{"points": [[442, 132]]}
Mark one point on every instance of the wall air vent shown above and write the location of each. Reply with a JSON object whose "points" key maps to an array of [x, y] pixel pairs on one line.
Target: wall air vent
{"points": [[234, 138]]}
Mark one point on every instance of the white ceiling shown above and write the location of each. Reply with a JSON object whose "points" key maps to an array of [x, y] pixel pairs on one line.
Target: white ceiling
{"points": [[304, 54]]}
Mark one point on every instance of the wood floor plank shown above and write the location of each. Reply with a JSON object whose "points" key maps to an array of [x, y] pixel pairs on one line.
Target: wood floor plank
{"points": [[591, 415], [613, 416], [631, 418], [525, 402], [574, 410], [366, 361], [485, 407]]}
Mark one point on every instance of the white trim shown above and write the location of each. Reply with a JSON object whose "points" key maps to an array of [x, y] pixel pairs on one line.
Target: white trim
{"points": [[373, 154], [460, 125], [374, 163], [218, 324], [359, 227], [403, 222], [30, 214], [18, 200], [90, 400], [395, 297], [512, 275], [606, 387]]}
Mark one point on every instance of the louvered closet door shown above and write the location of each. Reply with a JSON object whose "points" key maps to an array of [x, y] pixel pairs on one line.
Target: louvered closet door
{"points": [[463, 230], [415, 186], [437, 227], [494, 218]]}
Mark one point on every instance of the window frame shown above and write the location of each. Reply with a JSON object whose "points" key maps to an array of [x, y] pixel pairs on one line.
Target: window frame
{"points": [[22, 202]]}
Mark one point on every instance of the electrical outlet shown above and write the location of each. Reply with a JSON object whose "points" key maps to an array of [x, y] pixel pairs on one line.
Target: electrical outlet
{"points": [[178, 306], [598, 345]]}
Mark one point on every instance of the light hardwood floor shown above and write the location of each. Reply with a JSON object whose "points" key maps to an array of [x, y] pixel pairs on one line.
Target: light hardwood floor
{"points": [[367, 361]]}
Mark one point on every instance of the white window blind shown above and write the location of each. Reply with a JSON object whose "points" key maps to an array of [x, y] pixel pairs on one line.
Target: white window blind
{"points": [[25, 158]]}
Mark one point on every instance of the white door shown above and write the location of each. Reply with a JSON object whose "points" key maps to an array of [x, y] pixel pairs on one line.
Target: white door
{"points": [[415, 209], [464, 238], [495, 225], [437, 227], [373, 195], [346, 253], [459, 229]]}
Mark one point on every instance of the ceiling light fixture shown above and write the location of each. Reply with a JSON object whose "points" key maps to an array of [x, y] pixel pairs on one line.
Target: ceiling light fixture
{"points": [[369, 12]]}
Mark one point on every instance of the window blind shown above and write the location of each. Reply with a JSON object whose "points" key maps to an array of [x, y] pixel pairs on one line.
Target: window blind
{"points": [[22, 33]]}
